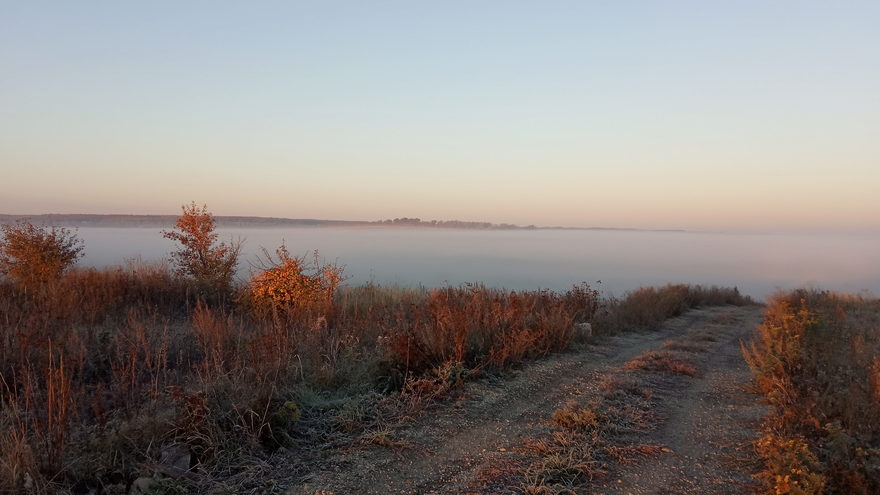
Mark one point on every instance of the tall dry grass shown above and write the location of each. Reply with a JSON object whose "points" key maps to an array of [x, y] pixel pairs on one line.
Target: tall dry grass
{"points": [[479, 327], [645, 308], [106, 372], [815, 358]]}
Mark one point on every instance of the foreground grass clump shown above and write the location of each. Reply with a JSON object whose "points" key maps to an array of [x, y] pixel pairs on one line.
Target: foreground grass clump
{"points": [[587, 439], [661, 361], [817, 358], [481, 327]]}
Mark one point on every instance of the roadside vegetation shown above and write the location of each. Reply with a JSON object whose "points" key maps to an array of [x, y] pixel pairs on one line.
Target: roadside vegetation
{"points": [[816, 357], [171, 377]]}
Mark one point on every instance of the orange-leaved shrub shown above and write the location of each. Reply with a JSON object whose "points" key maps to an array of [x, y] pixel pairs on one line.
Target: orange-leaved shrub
{"points": [[33, 256], [293, 285], [814, 357]]}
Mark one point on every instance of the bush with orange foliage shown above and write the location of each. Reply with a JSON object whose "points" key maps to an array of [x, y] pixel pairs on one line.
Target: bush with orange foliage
{"points": [[293, 285], [815, 358], [34, 255]]}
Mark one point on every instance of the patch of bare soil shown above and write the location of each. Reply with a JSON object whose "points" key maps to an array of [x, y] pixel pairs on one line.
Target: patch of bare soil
{"points": [[474, 444]]}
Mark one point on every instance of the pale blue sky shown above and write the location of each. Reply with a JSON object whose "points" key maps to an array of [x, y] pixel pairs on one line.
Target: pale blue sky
{"points": [[702, 115]]}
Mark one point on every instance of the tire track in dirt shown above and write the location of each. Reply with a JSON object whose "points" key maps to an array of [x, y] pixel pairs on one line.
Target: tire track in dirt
{"points": [[450, 444], [711, 421]]}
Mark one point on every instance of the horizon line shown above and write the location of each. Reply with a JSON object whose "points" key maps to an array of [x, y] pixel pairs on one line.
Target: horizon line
{"points": [[390, 222]]}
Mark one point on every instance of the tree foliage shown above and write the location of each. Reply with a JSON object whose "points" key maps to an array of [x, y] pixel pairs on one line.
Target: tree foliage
{"points": [[209, 263], [34, 255]]}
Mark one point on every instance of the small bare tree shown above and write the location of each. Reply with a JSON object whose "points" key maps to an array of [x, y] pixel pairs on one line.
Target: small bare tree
{"points": [[209, 263], [34, 255]]}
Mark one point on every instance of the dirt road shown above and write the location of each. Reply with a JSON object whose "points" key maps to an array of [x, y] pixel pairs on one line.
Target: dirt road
{"points": [[474, 444]]}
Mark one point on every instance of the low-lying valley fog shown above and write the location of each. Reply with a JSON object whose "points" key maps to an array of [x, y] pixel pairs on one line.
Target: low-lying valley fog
{"points": [[527, 259]]}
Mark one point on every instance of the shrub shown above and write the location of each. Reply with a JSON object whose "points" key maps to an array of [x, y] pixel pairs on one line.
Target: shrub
{"points": [[293, 285], [814, 357], [209, 263], [32, 255], [791, 467]]}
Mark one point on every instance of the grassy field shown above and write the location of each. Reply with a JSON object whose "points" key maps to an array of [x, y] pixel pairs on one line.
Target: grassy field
{"points": [[118, 374], [817, 359]]}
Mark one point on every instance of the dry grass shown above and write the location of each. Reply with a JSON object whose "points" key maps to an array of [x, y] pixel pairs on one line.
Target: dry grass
{"points": [[684, 346], [661, 361], [588, 438], [724, 319], [104, 371], [648, 307], [815, 358], [480, 327]]}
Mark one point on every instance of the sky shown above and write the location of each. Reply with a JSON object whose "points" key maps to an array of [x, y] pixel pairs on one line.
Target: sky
{"points": [[747, 115]]}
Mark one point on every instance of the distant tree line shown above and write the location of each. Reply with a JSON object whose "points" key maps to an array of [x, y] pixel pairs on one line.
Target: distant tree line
{"points": [[164, 221], [452, 224]]}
